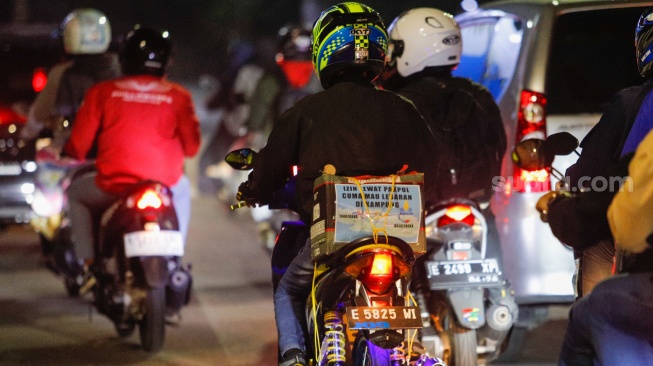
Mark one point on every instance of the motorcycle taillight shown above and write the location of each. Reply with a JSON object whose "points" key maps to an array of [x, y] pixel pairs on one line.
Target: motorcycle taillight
{"points": [[148, 199], [378, 271], [457, 214]]}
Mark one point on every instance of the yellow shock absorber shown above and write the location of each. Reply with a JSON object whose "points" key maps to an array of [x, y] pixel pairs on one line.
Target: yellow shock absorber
{"points": [[334, 338], [398, 353]]}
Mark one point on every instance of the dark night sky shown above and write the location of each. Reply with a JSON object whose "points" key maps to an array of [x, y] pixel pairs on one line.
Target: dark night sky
{"points": [[203, 29]]}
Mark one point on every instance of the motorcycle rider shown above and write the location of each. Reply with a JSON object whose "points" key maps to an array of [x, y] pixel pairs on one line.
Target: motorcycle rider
{"points": [[607, 326], [425, 46], [273, 96], [144, 125], [579, 220], [86, 37], [352, 125]]}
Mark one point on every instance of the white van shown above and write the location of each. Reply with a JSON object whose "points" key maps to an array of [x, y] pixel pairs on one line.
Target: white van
{"points": [[552, 66]]}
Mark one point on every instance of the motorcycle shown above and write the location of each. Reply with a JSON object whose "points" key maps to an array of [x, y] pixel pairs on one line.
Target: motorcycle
{"points": [[360, 311], [537, 154], [51, 216], [137, 276], [468, 308]]}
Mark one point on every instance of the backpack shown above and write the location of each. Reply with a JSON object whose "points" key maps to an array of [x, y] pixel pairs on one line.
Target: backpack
{"points": [[469, 134]]}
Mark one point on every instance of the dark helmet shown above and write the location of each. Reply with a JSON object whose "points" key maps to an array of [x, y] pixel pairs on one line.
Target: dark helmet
{"points": [[349, 38], [294, 44], [644, 43], [145, 51], [294, 55]]}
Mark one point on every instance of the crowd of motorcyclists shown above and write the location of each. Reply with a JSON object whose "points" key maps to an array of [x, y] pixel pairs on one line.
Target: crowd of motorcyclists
{"points": [[368, 100]]}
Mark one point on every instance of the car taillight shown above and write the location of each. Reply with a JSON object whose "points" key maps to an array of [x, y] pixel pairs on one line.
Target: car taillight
{"points": [[39, 79], [531, 123], [457, 213], [378, 271]]}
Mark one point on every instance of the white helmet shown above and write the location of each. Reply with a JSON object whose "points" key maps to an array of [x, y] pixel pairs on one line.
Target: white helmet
{"points": [[86, 31], [423, 37]]}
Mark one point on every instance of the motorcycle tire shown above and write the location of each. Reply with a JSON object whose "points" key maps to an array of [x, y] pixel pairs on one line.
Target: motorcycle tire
{"points": [[152, 326], [463, 344], [368, 354]]}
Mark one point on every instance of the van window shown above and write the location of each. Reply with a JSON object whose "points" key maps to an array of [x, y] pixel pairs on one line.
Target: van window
{"points": [[490, 52], [592, 56]]}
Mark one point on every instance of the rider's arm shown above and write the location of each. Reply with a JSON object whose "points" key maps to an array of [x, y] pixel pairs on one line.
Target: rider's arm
{"points": [[86, 125], [42, 110], [188, 126], [629, 214], [271, 167]]}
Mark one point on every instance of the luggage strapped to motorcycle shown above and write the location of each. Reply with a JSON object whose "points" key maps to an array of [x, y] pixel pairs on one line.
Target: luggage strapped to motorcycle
{"points": [[342, 211]]}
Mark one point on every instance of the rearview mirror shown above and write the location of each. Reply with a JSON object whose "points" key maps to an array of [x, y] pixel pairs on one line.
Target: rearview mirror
{"points": [[561, 143], [529, 155], [240, 159], [536, 154]]}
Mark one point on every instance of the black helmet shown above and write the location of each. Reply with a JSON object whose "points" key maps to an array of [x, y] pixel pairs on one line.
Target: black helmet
{"points": [[349, 38], [294, 44], [644, 43], [146, 51]]}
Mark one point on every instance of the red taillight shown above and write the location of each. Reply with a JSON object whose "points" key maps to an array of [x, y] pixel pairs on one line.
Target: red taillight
{"points": [[381, 265], [531, 123], [380, 276], [39, 79], [7, 115], [149, 199], [378, 271], [457, 213]]}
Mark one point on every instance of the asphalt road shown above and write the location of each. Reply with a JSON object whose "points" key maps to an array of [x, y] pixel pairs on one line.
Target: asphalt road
{"points": [[229, 321]]}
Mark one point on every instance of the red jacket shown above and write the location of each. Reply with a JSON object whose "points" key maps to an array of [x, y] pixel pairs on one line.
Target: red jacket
{"points": [[144, 127]]}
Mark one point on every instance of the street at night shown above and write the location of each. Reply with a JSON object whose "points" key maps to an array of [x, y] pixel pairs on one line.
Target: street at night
{"points": [[229, 321]]}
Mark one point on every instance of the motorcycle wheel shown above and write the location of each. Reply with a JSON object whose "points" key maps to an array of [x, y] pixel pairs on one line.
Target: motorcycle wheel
{"points": [[152, 326], [368, 354], [463, 344]]}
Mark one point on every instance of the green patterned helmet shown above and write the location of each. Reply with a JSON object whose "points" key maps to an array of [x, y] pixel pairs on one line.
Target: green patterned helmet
{"points": [[349, 37]]}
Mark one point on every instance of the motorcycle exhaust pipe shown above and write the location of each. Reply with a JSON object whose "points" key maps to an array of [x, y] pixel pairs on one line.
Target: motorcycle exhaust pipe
{"points": [[178, 289], [499, 317]]}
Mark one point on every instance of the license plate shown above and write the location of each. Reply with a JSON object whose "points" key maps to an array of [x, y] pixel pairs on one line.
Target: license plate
{"points": [[10, 169], [449, 273], [383, 317], [153, 243]]}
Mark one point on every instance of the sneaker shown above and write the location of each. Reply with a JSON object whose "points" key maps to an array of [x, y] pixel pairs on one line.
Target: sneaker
{"points": [[293, 357]]}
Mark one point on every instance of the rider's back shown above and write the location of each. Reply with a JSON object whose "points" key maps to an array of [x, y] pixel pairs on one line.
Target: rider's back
{"points": [[468, 125], [145, 127], [355, 127]]}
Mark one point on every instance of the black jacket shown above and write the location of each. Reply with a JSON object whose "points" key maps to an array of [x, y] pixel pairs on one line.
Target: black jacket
{"points": [[355, 127], [467, 123], [581, 221]]}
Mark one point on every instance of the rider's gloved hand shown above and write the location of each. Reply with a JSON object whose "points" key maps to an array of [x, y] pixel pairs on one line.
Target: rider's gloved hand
{"points": [[246, 195], [543, 203]]}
